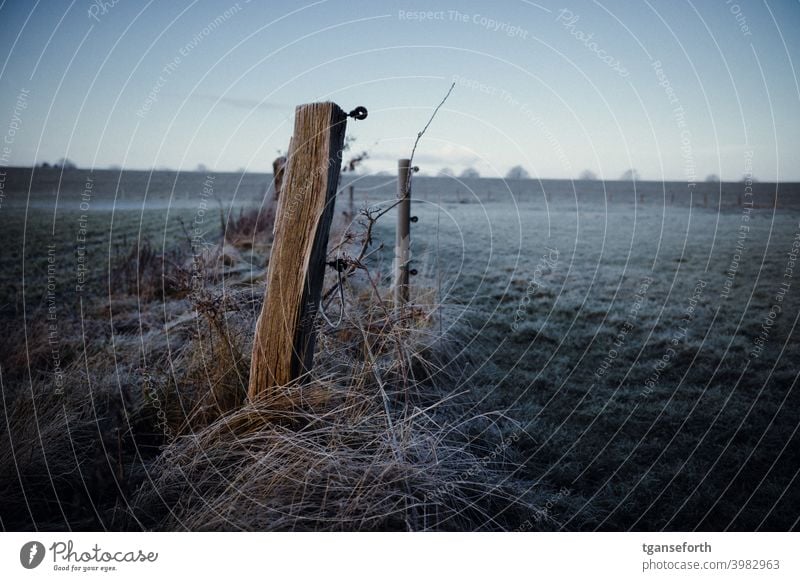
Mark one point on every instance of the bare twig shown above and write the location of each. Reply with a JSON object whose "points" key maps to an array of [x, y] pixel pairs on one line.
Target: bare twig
{"points": [[421, 133]]}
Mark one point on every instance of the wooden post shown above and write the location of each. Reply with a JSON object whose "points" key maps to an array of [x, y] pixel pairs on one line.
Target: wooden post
{"points": [[403, 230], [278, 167], [278, 171], [352, 203], [283, 348]]}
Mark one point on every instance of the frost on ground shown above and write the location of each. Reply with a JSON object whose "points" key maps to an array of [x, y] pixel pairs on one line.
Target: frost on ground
{"points": [[629, 362], [649, 352]]}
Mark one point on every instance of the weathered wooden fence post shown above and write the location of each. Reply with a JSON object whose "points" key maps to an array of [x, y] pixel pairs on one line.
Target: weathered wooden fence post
{"points": [[278, 167], [283, 348], [403, 230]]}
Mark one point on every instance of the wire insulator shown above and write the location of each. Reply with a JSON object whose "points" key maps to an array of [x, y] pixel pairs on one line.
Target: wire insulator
{"points": [[359, 113]]}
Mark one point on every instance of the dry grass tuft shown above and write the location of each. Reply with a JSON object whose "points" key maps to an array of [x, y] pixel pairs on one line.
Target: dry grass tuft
{"points": [[211, 369], [370, 441], [65, 455], [323, 457], [251, 227], [145, 272]]}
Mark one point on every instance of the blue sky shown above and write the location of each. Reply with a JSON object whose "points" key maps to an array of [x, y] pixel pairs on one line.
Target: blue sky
{"points": [[676, 89]]}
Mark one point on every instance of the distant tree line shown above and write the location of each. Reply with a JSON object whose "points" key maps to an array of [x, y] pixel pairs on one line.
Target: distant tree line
{"points": [[62, 163], [520, 173]]}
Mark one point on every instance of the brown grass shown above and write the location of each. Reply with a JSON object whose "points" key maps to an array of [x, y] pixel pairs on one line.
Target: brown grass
{"points": [[371, 440], [251, 227], [375, 438], [346, 452]]}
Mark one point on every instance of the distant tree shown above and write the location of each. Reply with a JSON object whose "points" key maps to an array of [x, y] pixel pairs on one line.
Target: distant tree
{"points": [[446, 172], [630, 175], [64, 163], [588, 174], [44, 165], [470, 173], [712, 177], [201, 167], [517, 173]]}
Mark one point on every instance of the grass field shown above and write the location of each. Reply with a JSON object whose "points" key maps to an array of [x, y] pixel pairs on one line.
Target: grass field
{"points": [[614, 359], [610, 340]]}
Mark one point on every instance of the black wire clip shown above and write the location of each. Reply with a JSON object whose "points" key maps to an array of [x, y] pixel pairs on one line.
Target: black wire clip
{"points": [[339, 264], [359, 113]]}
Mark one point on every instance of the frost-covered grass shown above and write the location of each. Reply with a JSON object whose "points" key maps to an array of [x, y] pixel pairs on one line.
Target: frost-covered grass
{"points": [[608, 333], [613, 381]]}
